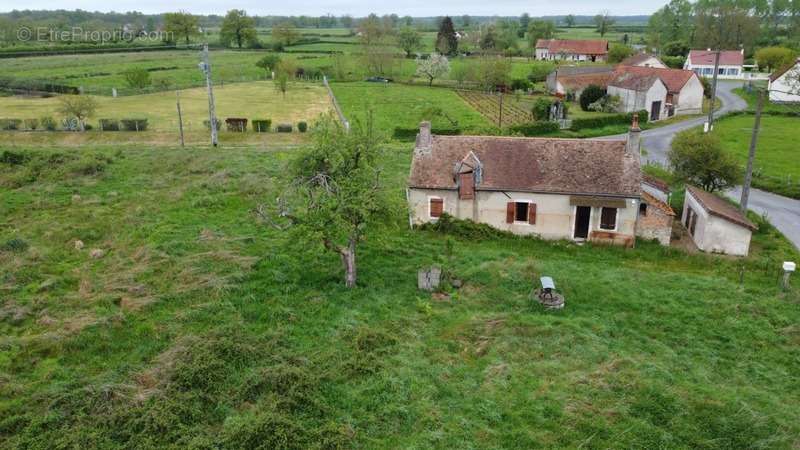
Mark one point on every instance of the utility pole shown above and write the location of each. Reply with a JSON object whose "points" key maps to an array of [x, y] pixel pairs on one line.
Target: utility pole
{"points": [[713, 92], [205, 66], [748, 176], [180, 116]]}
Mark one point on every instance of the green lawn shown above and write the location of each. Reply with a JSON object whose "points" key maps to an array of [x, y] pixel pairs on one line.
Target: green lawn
{"points": [[777, 164], [201, 327]]}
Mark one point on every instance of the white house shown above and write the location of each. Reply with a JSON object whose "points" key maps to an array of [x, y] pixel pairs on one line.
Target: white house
{"points": [[784, 85], [684, 88], [715, 225], [639, 92], [702, 63], [576, 189], [572, 50]]}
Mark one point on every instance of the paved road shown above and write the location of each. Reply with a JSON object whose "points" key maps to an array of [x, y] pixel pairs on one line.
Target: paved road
{"points": [[782, 212]]}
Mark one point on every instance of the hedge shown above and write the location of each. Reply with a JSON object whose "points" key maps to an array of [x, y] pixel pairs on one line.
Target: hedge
{"points": [[410, 134], [134, 124], [48, 123], [535, 128], [604, 121], [284, 128], [261, 125], [31, 124], [236, 124], [207, 124], [109, 124], [302, 127], [10, 124]]}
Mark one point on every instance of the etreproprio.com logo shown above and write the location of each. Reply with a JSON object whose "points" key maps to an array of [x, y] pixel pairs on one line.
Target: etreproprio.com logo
{"points": [[78, 34]]}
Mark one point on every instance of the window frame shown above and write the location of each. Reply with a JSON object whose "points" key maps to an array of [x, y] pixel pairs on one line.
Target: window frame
{"points": [[616, 219], [434, 197], [527, 204]]}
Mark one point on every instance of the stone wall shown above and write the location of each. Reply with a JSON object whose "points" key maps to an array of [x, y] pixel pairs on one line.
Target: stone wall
{"points": [[656, 224]]}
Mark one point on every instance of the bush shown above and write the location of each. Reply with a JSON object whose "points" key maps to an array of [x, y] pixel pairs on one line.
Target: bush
{"points": [[16, 245], [539, 72], [31, 124], [541, 108], [261, 125], [302, 127], [674, 62], [13, 158], [109, 124], [137, 78], [134, 124], [591, 94], [535, 128], [48, 123], [207, 124], [10, 124], [236, 124], [604, 121], [284, 128], [520, 84]]}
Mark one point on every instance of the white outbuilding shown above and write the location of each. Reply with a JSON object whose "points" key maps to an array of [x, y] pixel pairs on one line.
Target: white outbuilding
{"points": [[784, 85], [715, 225]]}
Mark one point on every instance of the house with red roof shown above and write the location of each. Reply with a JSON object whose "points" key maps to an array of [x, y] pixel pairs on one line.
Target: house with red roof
{"points": [[594, 50], [702, 62], [684, 88]]}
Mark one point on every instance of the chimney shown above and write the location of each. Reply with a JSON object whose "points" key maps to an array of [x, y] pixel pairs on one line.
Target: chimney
{"points": [[424, 139], [633, 146]]}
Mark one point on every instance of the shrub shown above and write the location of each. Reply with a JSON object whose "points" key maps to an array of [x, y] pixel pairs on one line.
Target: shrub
{"points": [[10, 124], [48, 123], [16, 245], [134, 124], [302, 127], [539, 72], [699, 159], [520, 84], [674, 62], [236, 124], [13, 158], [591, 94], [284, 128], [261, 125], [535, 128], [541, 108], [604, 121], [31, 124], [109, 124], [207, 124], [137, 77]]}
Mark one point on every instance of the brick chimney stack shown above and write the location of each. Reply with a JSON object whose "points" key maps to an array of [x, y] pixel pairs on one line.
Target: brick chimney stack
{"points": [[424, 139], [633, 146]]}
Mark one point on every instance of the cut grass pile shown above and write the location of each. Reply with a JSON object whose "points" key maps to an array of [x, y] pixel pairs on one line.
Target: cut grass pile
{"points": [[199, 327]]}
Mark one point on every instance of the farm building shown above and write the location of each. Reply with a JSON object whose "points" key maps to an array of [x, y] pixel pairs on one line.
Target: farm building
{"points": [[702, 63], [572, 50], [574, 79], [715, 225], [655, 214], [684, 88], [578, 189], [639, 92], [784, 85], [643, 60]]}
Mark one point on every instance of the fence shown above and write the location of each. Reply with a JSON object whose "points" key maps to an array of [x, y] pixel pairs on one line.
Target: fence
{"points": [[335, 103]]}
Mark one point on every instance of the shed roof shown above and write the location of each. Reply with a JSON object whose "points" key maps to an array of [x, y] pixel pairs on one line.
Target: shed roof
{"points": [[674, 79], [719, 207], [636, 82]]}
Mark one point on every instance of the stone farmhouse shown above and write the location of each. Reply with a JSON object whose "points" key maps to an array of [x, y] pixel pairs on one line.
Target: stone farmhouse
{"points": [[784, 85], [715, 225], [731, 63], [576, 189], [594, 50], [684, 88], [638, 92], [655, 214]]}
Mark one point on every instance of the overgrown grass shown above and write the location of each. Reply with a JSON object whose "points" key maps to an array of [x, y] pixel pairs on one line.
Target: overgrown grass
{"points": [[200, 327]]}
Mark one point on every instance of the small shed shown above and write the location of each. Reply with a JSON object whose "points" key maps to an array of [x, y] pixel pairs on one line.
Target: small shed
{"points": [[715, 225]]}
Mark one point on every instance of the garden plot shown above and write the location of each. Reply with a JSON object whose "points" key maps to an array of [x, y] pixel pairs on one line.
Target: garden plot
{"points": [[488, 105]]}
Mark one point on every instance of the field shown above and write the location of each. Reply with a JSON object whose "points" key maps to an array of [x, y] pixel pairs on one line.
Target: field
{"points": [[255, 100], [777, 164], [198, 326]]}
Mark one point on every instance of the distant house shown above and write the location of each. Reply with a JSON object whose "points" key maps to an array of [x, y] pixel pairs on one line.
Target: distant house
{"points": [[574, 79], [577, 189], [655, 214], [572, 50], [784, 85], [643, 60], [702, 62], [715, 225], [639, 92], [684, 88]]}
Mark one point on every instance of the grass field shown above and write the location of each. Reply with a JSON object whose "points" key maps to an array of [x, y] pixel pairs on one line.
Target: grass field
{"points": [[200, 327], [255, 100]]}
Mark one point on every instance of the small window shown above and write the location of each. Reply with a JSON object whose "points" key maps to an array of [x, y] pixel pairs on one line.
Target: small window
{"points": [[722, 71], [642, 209], [436, 207], [521, 212], [733, 71], [608, 219]]}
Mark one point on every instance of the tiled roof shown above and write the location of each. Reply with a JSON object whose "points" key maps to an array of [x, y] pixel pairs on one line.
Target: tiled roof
{"points": [[566, 166], [707, 57], [674, 79], [636, 59], [580, 81], [580, 47], [628, 77], [778, 74], [720, 208], [656, 182], [656, 203], [633, 81]]}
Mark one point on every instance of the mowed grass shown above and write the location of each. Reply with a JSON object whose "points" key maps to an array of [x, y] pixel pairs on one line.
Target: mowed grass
{"points": [[254, 100], [777, 163], [202, 327], [402, 106]]}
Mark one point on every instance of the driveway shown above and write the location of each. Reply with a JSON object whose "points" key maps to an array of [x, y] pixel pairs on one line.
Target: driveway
{"points": [[782, 212]]}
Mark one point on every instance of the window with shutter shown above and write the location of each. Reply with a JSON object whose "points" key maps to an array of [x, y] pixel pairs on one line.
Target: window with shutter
{"points": [[521, 212], [510, 209], [608, 219], [436, 207], [466, 186], [532, 214]]}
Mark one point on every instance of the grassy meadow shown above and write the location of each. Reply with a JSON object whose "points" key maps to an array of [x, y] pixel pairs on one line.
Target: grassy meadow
{"points": [[195, 325]]}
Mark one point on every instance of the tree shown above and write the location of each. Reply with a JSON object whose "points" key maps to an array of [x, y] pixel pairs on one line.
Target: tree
{"points": [[446, 40], [672, 23], [569, 20], [488, 40], [590, 94], [540, 29], [237, 28], [603, 22], [335, 192], [181, 25], [775, 58], [346, 21], [409, 39], [492, 72], [524, 21], [137, 77], [698, 158], [618, 52], [78, 107], [459, 72], [724, 24], [268, 62], [284, 34], [435, 66], [284, 71]]}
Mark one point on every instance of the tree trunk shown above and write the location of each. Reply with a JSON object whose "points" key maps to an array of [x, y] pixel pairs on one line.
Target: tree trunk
{"points": [[348, 255]]}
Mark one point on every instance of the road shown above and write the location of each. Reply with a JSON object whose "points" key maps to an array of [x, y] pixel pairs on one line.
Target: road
{"points": [[782, 212]]}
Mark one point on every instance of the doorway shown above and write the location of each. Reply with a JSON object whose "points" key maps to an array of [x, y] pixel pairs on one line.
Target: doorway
{"points": [[655, 110], [582, 217]]}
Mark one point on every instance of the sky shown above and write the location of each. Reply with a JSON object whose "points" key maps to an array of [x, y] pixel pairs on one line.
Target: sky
{"points": [[356, 8]]}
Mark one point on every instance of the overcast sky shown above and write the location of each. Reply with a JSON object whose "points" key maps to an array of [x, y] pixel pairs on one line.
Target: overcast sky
{"points": [[417, 8]]}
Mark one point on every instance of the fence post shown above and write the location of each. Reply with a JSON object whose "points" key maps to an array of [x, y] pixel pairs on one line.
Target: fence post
{"points": [[335, 103]]}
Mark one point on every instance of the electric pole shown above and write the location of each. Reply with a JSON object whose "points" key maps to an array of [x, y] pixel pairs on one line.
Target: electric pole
{"points": [[748, 176], [713, 92], [180, 116], [205, 66]]}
